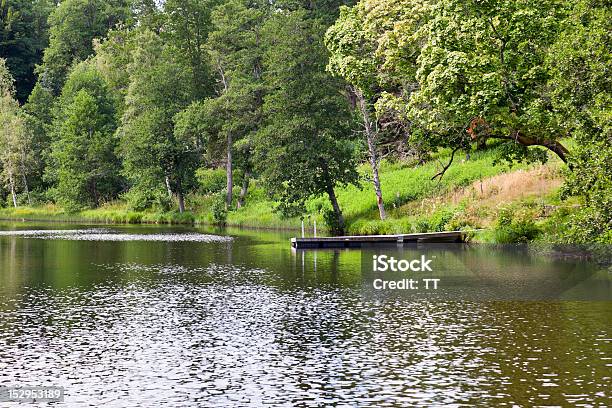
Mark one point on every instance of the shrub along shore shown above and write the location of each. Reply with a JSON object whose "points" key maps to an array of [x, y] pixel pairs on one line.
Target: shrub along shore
{"points": [[511, 204]]}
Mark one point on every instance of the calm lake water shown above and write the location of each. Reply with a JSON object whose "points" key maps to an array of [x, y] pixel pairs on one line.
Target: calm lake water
{"points": [[184, 317]]}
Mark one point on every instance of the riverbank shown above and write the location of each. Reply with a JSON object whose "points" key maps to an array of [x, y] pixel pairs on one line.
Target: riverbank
{"points": [[510, 204]]}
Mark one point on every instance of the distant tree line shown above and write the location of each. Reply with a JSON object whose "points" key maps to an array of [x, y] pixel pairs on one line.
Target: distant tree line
{"points": [[133, 99]]}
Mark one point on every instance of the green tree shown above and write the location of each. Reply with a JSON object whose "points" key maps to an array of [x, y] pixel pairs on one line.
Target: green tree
{"points": [[23, 37], [236, 50], [39, 109], [481, 74], [456, 71], [187, 25], [15, 140], [83, 166], [353, 58], [112, 57], [325, 11], [153, 156], [581, 87], [304, 149], [74, 24]]}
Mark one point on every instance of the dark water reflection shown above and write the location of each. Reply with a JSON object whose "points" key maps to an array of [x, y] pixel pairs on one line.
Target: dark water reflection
{"points": [[247, 322]]}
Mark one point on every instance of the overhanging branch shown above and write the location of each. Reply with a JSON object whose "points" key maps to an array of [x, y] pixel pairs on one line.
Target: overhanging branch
{"points": [[441, 173], [552, 145]]}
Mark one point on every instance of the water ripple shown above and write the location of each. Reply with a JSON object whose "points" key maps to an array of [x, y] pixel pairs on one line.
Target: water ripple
{"points": [[218, 342], [98, 234]]}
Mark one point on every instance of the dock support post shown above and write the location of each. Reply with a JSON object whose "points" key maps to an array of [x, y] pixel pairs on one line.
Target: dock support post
{"points": [[315, 228], [302, 228]]}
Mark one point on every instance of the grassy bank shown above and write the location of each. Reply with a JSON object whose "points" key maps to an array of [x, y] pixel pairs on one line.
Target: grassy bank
{"points": [[510, 203], [473, 194], [116, 213]]}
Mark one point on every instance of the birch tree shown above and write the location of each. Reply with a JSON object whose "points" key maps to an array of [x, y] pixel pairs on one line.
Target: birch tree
{"points": [[15, 139], [353, 58]]}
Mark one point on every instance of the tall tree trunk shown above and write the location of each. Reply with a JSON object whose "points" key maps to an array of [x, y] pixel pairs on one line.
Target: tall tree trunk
{"points": [[180, 197], [228, 171], [168, 187], [13, 193], [181, 201], [370, 137], [27, 190], [339, 217], [96, 197], [228, 165], [329, 186], [244, 189]]}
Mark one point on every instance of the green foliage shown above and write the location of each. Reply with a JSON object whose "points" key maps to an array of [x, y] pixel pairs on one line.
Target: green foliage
{"points": [[421, 225], [510, 229], [439, 220], [459, 222], [454, 71], [511, 152], [210, 180], [353, 51], [504, 218], [84, 168], [304, 149], [218, 210], [7, 82], [580, 64], [485, 60], [325, 11], [15, 139], [74, 24], [23, 37], [378, 227], [141, 199], [39, 121], [112, 58], [236, 51], [332, 222], [186, 27], [203, 122], [153, 155]]}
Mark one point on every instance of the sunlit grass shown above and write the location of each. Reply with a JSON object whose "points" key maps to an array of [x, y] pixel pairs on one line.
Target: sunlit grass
{"points": [[467, 197]]}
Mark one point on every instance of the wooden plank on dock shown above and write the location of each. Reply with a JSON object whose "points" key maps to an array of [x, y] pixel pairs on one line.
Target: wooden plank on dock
{"points": [[357, 241]]}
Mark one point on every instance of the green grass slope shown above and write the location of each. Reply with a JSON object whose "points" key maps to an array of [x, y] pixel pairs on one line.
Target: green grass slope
{"points": [[473, 194]]}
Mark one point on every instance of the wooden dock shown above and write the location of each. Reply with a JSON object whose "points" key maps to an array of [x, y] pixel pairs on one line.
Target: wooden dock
{"points": [[358, 241]]}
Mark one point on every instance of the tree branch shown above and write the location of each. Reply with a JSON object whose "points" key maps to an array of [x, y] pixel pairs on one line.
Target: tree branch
{"points": [[552, 145], [441, 174]]}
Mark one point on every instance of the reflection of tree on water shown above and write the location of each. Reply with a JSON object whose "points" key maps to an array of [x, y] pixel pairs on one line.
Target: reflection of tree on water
{"points": [[331, 266], [514, 272], [500, 272]]}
